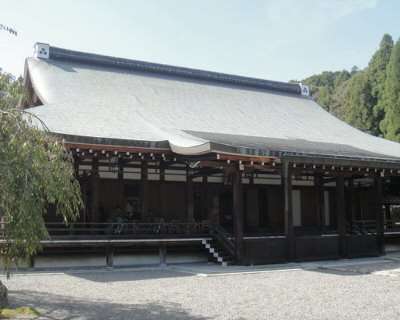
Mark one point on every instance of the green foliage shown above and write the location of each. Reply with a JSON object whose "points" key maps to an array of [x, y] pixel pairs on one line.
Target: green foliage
{"points": [[368, 98], [323, 86], [35, 172], [391, 97], [377, 77], [358, 107], [18, 312]]}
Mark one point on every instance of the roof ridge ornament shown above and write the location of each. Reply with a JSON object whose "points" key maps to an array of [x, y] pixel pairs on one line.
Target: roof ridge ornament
{"points": [[41, 50], [305, 90]]}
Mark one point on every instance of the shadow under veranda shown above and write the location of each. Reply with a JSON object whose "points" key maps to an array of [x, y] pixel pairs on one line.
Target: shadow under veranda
{"points": [[127, 274], [361, 268], [60, 307]]}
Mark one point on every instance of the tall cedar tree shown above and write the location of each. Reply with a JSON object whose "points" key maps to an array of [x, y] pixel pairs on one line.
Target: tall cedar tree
{"points": [[356, 96], [390, 125], [358, 103], [377, 77]]}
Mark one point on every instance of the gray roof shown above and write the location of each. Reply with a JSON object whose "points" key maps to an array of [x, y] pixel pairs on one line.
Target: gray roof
{"points": [[97, 98]]}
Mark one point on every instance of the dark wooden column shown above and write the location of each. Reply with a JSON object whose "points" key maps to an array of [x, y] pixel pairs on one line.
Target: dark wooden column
{"points": [[144, 189], [319, 201], [162, 171], [162, 186], [350, 207], [286, 176], [238, 212], [341, 215], [204, 197], [388, 216], [379, 215], [189, 196], [110, 256], [95, 191], [163, 255], [76, 166], [120, 169]]}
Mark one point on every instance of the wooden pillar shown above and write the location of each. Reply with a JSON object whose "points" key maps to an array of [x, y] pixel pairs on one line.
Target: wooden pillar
{"points": [[144, 189], [189, 196], [110, 256], [341, 215], [379, 215], [286, 176], [163, 255], [319, 202], [162, 171], [204, 197], [161, 189], [350, 207], [238, 212], [388, 216], [95, 191], [31, 262], [120, 169], [76, 166]]}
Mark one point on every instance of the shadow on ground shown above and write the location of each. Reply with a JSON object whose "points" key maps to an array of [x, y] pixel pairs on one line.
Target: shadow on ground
{"points": [[58, 307], [117, 275], [385, 267]]}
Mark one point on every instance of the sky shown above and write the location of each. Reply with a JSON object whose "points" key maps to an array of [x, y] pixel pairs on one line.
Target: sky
{"points": [[277, 40]]}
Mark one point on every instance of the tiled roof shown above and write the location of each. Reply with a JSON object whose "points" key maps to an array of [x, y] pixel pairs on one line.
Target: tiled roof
{"points": [[192, 111]]}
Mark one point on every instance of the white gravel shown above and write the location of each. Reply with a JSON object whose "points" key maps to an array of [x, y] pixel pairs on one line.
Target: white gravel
{"points": [[313, 291]]}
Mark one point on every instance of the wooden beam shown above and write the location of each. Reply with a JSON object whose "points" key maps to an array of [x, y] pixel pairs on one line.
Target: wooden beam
{"points": [[344, 162], [247, 158], [238, 212], [341, 215], [288, 210], [112, 148]]}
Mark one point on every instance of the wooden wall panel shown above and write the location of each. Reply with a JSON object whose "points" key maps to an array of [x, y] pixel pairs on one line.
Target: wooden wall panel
{"points": [[275, 208], [309, 217]]}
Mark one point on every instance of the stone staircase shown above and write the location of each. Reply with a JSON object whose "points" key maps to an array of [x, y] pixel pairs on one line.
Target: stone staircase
{"points": [[217, 253]]}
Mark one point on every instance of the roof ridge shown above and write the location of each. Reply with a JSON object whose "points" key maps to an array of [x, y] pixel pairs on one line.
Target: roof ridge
{"points": [[56, 53]]}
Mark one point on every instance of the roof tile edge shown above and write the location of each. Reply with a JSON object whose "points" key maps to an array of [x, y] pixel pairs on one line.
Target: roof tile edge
{"points": [[56, 53]]}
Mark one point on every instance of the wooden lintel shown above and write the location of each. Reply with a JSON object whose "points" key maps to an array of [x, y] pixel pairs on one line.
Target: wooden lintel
{"points": [[212, 164], [346, 163], [112, 148], [245, 158]]}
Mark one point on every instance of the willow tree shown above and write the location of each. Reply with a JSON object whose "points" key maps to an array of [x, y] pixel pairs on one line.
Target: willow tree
{"points": [[35, 172]]}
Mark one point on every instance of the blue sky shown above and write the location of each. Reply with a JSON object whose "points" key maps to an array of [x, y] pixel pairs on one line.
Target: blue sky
{"points": [[278, 40]]}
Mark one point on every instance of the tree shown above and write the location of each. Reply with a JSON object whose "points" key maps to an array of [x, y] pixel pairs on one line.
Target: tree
{"points": [[323, 86], [390, 125], [377, 77], [358, 103], [35, 172]]}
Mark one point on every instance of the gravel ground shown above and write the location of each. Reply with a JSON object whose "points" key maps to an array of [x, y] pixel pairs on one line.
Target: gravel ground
{"points": [[367, 289]]}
